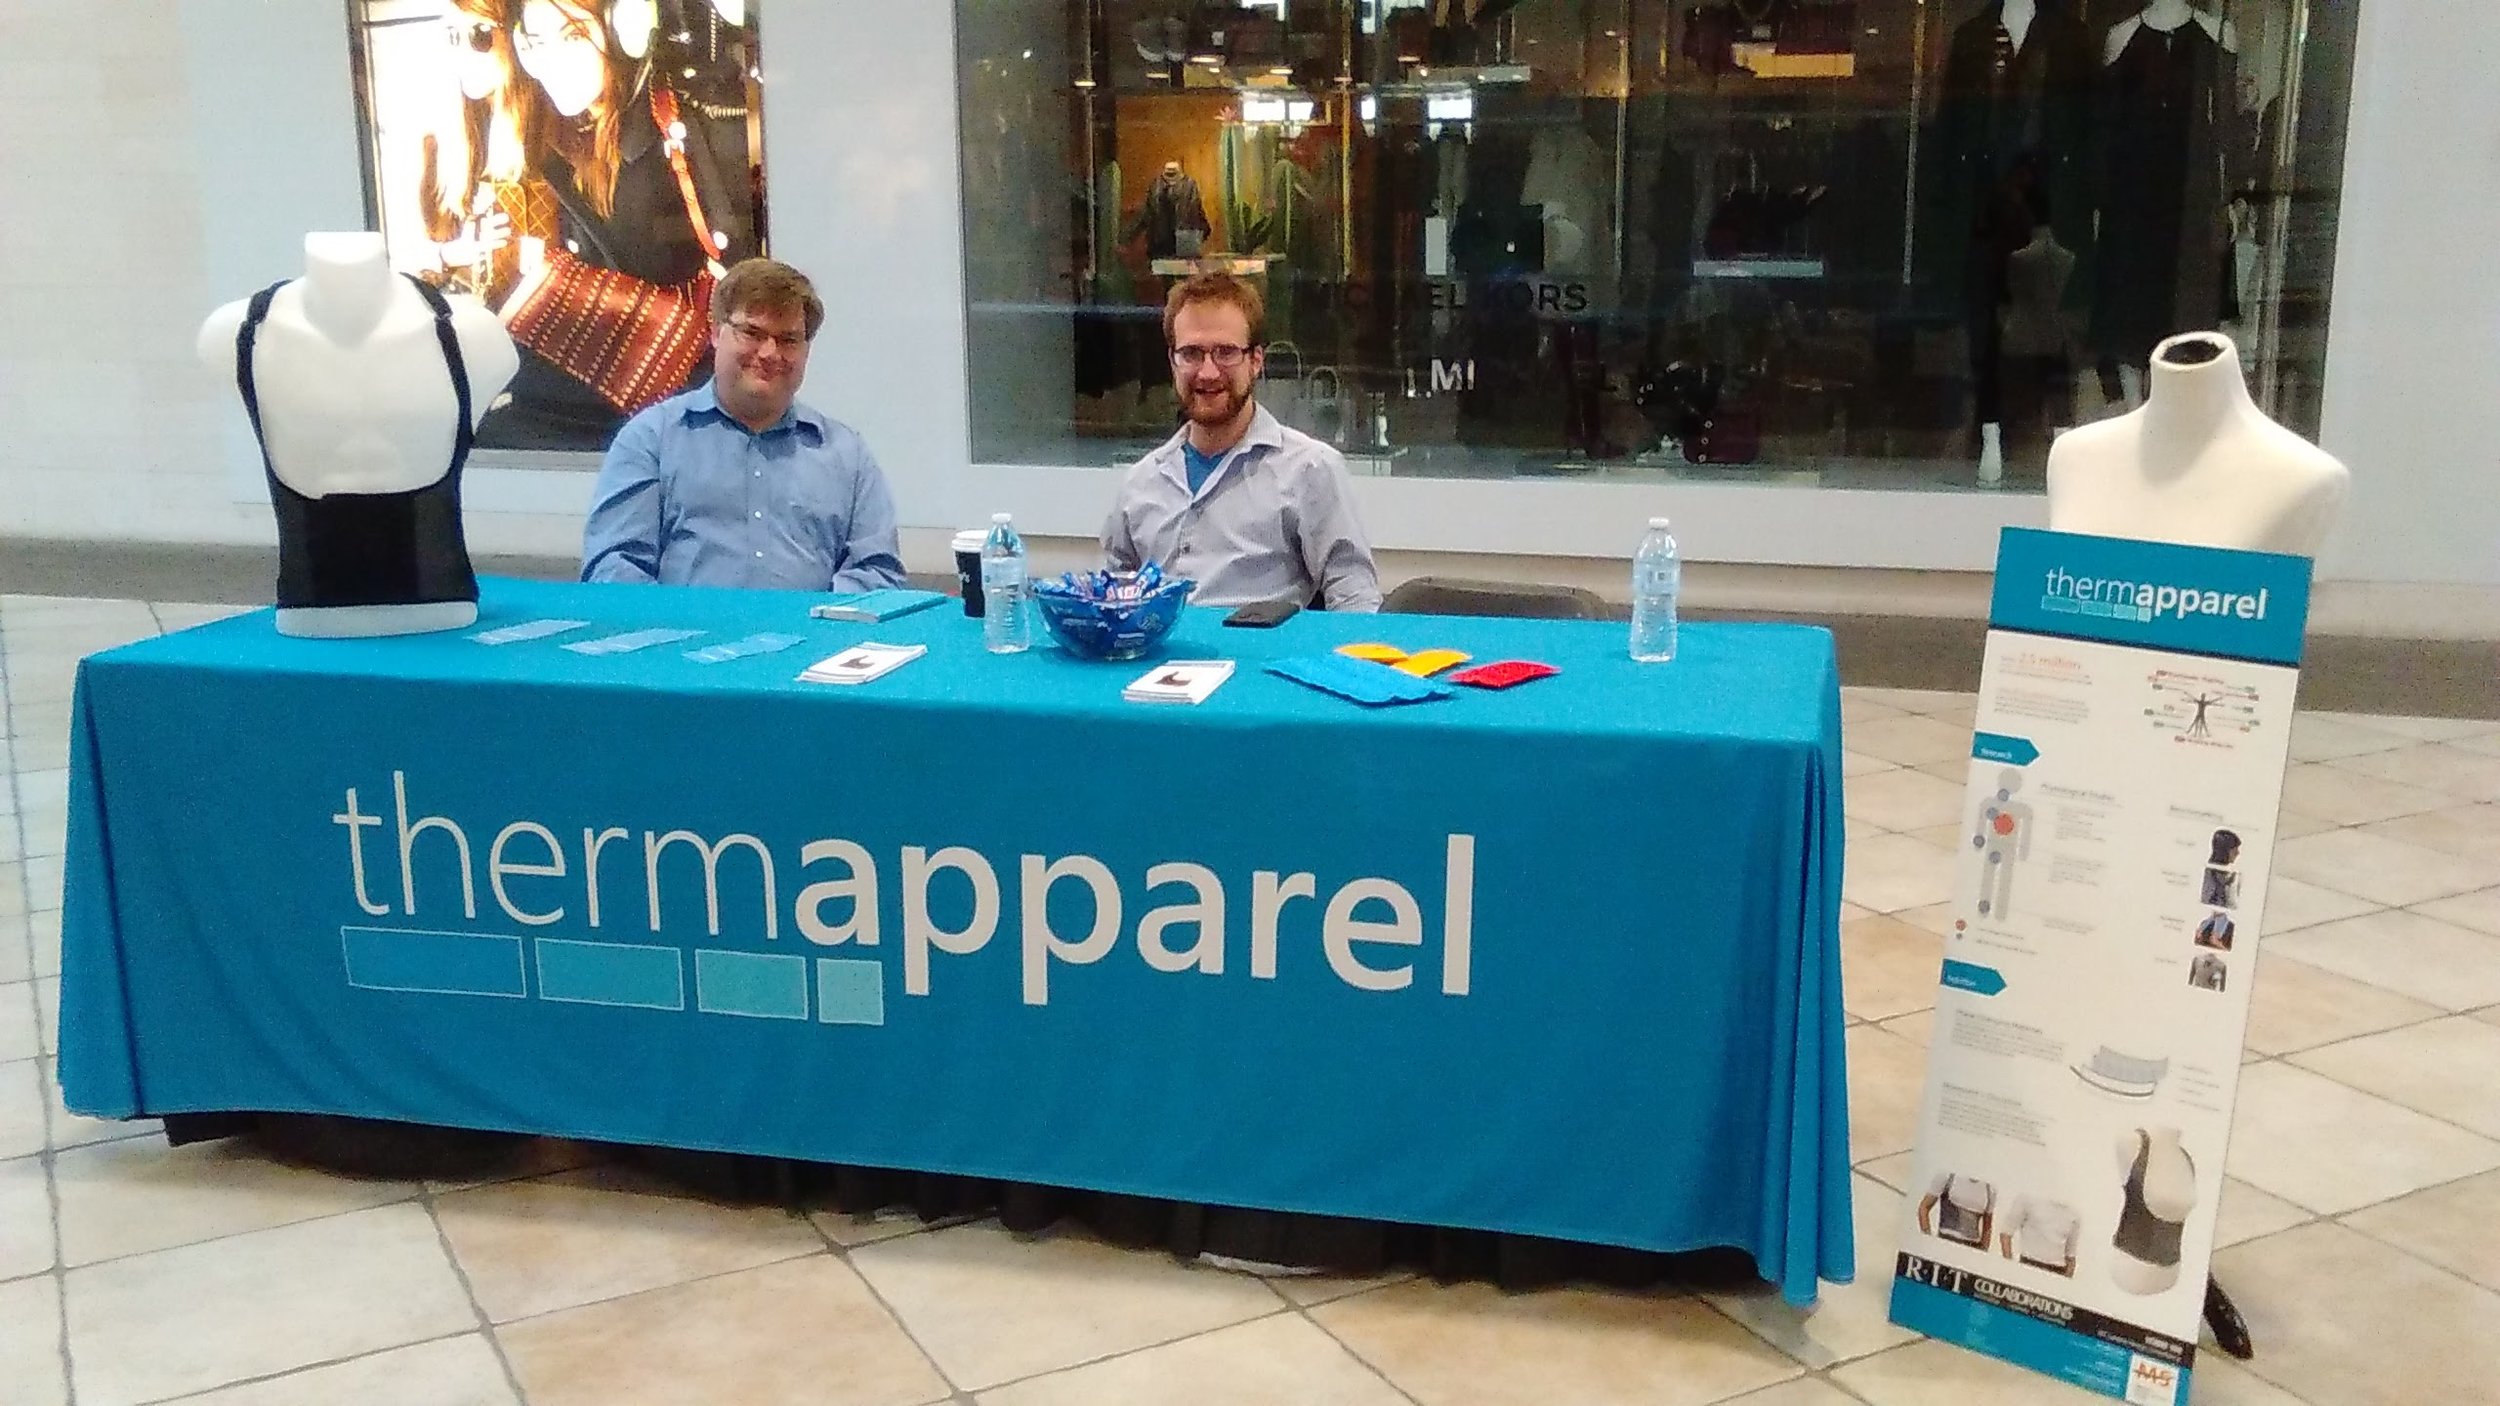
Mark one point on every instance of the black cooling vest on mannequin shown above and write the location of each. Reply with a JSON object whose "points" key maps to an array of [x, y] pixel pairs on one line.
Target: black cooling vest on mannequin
{"points": [[348, 549]]}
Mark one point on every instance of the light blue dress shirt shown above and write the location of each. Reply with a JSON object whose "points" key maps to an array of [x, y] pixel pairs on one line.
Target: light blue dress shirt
{"points": [[688, 496], [1274, 520]]}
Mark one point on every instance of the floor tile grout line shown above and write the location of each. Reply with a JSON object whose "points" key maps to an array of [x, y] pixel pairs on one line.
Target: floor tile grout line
{"points": [[307, 1367], [45, 1080], [1284, 1308], [842, 1253], [2392, 1247], [653, 1289], [468, 1290], [1303, 1312], [1804, 1367]]}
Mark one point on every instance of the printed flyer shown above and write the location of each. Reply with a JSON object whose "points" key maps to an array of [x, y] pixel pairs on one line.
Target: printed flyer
{"points": [[2127, 763]]}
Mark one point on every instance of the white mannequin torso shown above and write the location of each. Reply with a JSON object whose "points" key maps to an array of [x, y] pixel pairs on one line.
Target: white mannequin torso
{"points": [[356, 398], [2198, 464], [354, 393], [2169, 1192]]}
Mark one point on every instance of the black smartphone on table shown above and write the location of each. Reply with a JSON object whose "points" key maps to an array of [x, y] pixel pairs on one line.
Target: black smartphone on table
{"points": [[1263, 615]]}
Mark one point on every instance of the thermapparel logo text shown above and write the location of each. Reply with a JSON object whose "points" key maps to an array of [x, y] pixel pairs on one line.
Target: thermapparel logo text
{"points": [[2144, 601], [1176, 917]]}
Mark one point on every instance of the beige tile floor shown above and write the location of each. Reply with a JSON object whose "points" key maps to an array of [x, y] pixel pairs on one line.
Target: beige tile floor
{"points": [[2362, 1217]]}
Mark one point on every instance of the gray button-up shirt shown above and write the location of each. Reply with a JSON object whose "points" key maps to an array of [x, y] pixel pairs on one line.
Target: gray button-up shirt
{"points": [[1275, 521]]}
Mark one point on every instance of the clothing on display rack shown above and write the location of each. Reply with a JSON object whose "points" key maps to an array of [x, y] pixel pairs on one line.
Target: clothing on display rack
{"points": [[2011, 142], [2174, 141]]}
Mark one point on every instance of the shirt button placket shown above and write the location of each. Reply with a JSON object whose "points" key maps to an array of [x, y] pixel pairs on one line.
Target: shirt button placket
{"points": [[755, 489]]}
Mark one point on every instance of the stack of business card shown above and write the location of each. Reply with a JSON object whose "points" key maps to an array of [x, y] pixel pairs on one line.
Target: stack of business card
{"points": [[862, 662], [1183, 681], [874, 607]]}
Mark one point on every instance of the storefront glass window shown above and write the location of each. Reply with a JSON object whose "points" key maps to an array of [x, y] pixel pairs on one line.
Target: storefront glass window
{"points": [[1846, 243]]}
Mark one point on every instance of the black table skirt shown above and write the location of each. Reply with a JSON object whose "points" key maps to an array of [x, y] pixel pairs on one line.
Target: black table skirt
{"points": [[1331, 1244]]}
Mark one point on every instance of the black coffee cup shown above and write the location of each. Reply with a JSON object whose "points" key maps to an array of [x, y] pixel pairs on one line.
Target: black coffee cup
{"points": [[968, 568]]}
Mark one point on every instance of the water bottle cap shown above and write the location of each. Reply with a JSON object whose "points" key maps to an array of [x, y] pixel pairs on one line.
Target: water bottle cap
{"points": [[1658, 524], [1002, 517]]}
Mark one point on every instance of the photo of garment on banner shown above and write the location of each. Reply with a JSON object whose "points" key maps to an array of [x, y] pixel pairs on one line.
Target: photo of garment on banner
{"points": [[1959, 1208], [2042, 1232], [2157, 1187], [2114, 1071]]}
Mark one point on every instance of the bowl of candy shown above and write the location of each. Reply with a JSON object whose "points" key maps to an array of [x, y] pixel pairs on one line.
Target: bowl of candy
{"points": [[1112, 615]]}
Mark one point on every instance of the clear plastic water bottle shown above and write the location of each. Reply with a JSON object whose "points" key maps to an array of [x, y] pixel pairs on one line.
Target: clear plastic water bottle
{"points": [[1006, 619], [1657, 575]]}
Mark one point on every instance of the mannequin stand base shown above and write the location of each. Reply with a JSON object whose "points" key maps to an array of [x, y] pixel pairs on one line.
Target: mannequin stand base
{"points": [[340, 622], [2223, 1316]]}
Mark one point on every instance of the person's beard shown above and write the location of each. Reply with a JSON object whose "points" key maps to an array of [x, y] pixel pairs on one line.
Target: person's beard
{"points": [[1217, 407]]}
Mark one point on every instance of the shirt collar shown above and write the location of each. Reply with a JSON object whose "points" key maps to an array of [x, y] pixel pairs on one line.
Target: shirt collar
{"points": [[703, 402], [1265, 431]]}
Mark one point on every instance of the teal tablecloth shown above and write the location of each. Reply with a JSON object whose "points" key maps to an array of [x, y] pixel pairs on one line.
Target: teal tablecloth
{"points": [[1560, 961]]}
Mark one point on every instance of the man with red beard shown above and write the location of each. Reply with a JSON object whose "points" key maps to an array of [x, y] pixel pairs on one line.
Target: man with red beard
{"points": [[734, 483], [1249, 509]]}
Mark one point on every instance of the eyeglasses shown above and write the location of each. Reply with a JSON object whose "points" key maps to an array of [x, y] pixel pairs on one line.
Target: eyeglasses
{"points": [[477, 35], [1191, 358], [754, 337]]}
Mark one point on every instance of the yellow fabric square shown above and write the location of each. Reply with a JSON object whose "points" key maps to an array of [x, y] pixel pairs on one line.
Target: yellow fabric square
{"points": [[1376, 653], [1429, 662]]}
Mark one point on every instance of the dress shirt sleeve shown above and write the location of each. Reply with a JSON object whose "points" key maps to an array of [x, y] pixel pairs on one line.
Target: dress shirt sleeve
{"points": [[1119, 545], [873, 557], [621, 539], [1334, 549]]}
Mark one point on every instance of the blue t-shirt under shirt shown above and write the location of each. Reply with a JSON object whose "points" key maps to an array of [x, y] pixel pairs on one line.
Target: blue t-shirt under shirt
{"points": [[1199, 466]]}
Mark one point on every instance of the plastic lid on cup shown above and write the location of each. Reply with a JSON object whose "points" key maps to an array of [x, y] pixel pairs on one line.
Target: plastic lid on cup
{"points": [[970, 539], [1658, 524]]}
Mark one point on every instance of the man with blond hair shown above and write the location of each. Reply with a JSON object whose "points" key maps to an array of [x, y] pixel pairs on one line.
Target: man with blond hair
{"points": [[735, 483], [1249, 509]]}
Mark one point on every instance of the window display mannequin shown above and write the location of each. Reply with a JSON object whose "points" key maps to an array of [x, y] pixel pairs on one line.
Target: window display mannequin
{"points": [[2158, 1189], [2013, 126], [2198, 463], [2175, 147], [1173, 216], [364, 388]]}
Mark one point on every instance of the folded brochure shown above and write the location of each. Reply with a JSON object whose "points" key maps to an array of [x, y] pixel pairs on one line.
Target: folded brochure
{"points": [[862, 662], [1181, 681]]}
